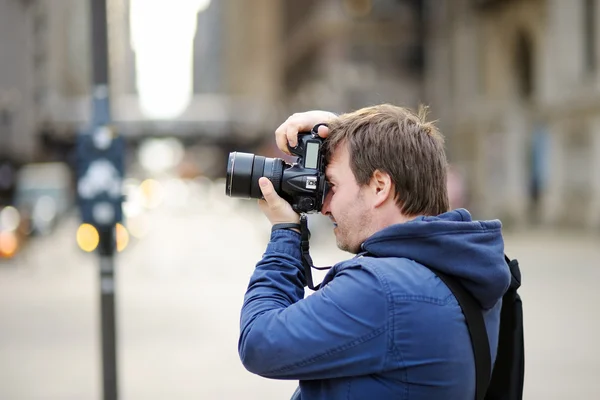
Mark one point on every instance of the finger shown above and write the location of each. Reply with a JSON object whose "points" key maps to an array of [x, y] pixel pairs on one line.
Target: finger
{"points": [[291, 133], [281, 138], [268, 191], [323, 131]]}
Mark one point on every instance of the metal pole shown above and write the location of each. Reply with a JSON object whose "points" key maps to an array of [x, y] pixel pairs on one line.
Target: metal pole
{"points": [[101, 114], [106, 248], [108, 318]]}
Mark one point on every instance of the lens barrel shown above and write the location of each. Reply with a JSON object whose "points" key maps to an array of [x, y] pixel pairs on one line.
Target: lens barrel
{"points": [[244, 170]]}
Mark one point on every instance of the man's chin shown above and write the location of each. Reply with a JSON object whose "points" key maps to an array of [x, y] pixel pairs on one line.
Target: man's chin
{"points": [[340, 245], [344, 248], [348, 248]]}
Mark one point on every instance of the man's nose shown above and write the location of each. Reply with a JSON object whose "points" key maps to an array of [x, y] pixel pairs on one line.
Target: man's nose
{"points": [[325, 208]]}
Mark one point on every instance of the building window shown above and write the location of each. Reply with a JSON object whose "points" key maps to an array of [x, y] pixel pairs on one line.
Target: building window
{"points": [[524, 65], [589, 35]]}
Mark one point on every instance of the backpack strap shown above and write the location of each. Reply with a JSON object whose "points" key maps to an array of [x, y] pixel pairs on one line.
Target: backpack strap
{"points": [[479, 338], [509, 369]]}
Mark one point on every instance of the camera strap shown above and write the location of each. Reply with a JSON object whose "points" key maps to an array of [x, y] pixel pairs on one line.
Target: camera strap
{"points": [[307, 262]]}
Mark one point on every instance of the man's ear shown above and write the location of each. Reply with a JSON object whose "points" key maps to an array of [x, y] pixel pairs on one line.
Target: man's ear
{"points": [[382, 187]]}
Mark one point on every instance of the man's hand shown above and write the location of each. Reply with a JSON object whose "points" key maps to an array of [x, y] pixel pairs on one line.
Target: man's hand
{"points": [[301, 122], [277, 210]]}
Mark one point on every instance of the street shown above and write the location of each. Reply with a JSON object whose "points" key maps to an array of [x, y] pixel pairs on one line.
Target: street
{"points": [[179, 291]]}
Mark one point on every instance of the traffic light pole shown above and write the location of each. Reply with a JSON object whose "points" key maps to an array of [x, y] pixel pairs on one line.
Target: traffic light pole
{"points": [[106, 248], [107, 309]]}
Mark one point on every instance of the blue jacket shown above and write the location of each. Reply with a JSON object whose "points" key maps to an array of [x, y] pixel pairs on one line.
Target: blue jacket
{"points": [[382, 326]]}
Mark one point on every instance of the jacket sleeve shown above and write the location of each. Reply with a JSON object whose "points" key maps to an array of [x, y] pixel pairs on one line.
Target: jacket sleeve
{"points": [[340, 330]]}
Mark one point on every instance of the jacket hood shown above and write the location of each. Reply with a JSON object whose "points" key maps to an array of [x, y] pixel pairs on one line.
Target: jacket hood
{"points": [[470, 251]]}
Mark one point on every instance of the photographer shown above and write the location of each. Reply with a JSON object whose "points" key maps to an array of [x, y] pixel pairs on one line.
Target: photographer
{"points": [[382, 325]]}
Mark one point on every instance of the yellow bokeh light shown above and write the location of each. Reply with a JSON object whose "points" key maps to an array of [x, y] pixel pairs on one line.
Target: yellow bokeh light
{"points": [[87, 237], [8, 244], [122, 237], [153, 193]]}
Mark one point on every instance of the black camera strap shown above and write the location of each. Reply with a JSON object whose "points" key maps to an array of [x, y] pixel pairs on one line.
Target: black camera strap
{"points": [[307, 262], [306, 258]]}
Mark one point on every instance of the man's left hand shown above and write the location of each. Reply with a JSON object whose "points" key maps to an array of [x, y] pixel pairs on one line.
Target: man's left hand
{"points": [[277, 210]]}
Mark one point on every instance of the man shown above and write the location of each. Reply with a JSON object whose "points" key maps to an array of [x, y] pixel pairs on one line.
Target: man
{"points": [[383, 325]]}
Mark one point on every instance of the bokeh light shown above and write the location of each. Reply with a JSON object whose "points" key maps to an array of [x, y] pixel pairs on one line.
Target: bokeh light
{"points": [[153, 193], [122, 237], [134, 198], [87, 237], [159, 155], [8, 244], [44, 213], [10, 219]]}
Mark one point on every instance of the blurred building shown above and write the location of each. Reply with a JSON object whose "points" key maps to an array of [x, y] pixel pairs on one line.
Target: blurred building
{"points": [[17, 66], [345, 54], [251, 64], [515, 84], [46, 68], [44, 61]]}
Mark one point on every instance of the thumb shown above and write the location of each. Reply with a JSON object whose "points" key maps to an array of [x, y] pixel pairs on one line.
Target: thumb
{"points": [[268, 191], [323, 131]]}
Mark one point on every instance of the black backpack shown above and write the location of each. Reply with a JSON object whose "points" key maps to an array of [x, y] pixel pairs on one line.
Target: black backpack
{"points": [[505, 382]]}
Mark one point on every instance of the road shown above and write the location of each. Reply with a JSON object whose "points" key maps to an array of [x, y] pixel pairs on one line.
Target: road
{"points": [[180, 289]]}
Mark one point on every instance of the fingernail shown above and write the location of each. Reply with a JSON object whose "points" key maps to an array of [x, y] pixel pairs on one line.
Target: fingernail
{"points": [[263, 182]]}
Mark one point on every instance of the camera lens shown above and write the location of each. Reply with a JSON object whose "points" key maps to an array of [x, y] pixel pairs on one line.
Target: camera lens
{"points": [[243, 171], [239, 174]]}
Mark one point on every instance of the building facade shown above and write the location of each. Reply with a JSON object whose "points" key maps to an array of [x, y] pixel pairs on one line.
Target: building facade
{"points": [[346, 54], [254, 62], [17, 65], [45, 60], [515, 85]]}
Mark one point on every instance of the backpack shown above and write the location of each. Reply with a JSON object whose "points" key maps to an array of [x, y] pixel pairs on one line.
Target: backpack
{"points": [[506, 380]]}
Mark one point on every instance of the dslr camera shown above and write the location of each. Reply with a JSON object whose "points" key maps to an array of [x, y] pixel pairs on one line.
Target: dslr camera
{"points": [[302, 184]]}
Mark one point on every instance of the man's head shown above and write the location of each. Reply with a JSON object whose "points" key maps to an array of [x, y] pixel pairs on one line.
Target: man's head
{"points": [[386, 165]]}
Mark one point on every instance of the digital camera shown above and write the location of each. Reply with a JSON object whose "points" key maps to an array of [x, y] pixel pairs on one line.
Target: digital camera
{"points": [[302, 184]]}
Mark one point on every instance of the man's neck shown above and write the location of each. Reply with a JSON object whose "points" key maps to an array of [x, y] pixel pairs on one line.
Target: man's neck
{"points": [[388, 218]]}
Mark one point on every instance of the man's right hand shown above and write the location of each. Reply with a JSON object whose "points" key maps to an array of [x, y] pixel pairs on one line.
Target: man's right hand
{"points": [[287, 133]]}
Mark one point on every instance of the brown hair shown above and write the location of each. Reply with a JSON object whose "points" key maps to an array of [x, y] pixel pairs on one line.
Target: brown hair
{"points": [[400, 143]]}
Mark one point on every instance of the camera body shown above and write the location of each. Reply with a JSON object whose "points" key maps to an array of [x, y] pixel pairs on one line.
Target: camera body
{"points": [[302, 184], [304, 181]]}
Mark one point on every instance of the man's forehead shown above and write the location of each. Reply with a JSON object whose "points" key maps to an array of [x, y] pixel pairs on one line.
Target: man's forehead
{"points": [[334, 162], [330, 169]]}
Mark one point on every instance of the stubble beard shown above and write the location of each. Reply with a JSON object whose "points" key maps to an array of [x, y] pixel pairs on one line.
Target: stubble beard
{"points": [[344, 245]]}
